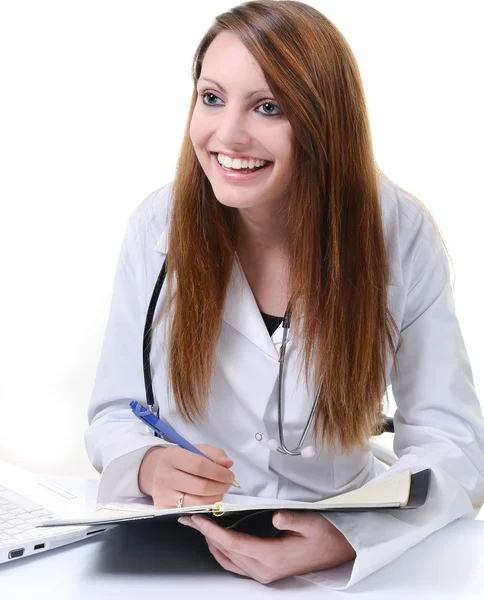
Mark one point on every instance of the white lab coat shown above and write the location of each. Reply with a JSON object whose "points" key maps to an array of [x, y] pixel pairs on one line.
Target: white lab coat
{"points": [[438, 422]]}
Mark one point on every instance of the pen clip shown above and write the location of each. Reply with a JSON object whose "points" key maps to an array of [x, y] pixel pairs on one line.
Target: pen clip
{"points": [[154, 410], [144, 414]]}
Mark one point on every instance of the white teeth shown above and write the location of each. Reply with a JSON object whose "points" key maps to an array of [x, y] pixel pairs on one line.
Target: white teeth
{"points": [[238, 163]]}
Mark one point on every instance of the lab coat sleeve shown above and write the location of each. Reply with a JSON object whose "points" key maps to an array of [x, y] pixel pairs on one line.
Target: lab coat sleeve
{"points": [[438, 425], [116, 441]]}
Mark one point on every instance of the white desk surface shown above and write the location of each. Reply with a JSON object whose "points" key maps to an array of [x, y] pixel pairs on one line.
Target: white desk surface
{"points": [[138, 560]]}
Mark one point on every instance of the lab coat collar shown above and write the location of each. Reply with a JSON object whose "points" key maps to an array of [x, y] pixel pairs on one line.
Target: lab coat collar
{"points": [[391, 228], [241, 310]]}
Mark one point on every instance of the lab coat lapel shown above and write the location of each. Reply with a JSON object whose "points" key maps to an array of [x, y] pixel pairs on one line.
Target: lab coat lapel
{"points": [[241, 311]]}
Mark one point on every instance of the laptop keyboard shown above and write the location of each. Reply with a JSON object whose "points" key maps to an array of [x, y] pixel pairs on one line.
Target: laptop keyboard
{"points": [[19, 517]]}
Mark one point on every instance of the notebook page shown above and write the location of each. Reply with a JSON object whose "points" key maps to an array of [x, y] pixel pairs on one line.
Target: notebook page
{"points": [[391, 492], [394, 490]]}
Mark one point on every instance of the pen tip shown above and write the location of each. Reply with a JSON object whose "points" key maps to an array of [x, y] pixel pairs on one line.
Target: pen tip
{"points": [[235, 484]]}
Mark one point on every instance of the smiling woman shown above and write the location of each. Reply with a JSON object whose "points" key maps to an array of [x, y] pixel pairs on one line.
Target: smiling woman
{"points": [[242, 122], [305, 227], [351, 266]]}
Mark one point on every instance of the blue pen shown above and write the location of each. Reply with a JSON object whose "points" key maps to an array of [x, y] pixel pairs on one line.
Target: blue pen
{"points": [[165, 430]]}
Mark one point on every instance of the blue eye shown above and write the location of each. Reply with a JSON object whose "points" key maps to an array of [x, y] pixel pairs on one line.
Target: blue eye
{"points": [[271, 114], [204, 95], [264, 104]]}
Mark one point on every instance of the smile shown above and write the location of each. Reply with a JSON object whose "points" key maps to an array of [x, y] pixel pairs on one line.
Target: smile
{"points": [[237, 173], [240, 163]]}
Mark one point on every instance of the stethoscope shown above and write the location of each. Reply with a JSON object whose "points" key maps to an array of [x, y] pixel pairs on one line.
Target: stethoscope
{"points": [[307, 452]]}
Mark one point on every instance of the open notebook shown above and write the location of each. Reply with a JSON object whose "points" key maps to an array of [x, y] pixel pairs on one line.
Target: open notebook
{"points": [[253, 515]]}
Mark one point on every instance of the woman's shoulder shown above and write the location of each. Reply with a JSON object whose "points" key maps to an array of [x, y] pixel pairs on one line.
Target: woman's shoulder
{"points": [[401, 207], [411, 233]]}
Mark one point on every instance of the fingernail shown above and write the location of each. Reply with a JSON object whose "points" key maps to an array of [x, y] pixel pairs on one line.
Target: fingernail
{"points": [[185, 521], [280, 517]]}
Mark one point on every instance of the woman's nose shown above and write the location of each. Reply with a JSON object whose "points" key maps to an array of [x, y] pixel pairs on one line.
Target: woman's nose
{"points": [[232, 129]]}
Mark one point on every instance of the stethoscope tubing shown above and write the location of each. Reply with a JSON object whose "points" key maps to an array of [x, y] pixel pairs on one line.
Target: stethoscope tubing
{"points": [[147, 339], [150, 400]]}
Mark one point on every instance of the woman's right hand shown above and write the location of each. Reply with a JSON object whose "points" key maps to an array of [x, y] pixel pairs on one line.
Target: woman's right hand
{"points": [[167, 472]]}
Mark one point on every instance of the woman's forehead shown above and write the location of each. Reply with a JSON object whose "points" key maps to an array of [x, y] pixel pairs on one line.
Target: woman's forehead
{"points": [[227, 59]]}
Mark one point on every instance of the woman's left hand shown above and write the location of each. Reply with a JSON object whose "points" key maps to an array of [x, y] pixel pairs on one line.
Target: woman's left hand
{"points": [[309, 543]]}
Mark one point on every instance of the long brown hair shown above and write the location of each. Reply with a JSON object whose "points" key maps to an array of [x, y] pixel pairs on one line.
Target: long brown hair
{"points": [[338, 260]]}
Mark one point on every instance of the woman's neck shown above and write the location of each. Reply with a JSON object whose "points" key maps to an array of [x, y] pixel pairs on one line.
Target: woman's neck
{"points": [[260, 232]]}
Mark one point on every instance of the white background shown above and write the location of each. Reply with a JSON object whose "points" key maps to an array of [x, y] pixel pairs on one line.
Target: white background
{"points": [[94, 98]]}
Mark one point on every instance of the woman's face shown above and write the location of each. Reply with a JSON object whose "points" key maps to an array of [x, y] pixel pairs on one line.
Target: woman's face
{"points": [[236, 116]]}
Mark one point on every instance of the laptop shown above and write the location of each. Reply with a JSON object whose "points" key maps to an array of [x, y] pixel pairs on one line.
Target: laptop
{"points": [[26, 499]]}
